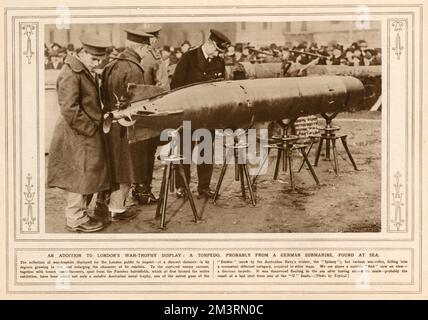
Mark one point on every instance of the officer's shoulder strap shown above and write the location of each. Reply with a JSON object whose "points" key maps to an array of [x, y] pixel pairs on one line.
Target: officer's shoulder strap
{"points": [[109, 67], [132, 61]]}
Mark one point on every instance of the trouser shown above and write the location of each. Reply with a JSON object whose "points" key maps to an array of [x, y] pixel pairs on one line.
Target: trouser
{"points": [[204, 170], [76, 208], [143, 157], [118, 198]]}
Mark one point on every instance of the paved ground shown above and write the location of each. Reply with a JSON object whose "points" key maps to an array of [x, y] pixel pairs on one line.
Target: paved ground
{"points": [[347, 203]]}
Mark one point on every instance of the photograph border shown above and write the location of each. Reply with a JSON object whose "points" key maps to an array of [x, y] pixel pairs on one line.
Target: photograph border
{"points": [[410, 177]]}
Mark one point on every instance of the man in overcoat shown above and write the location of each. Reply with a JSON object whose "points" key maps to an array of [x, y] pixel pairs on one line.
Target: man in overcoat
{"points": [[125, 159], [199, 65], [147, 148], [77, 157]]}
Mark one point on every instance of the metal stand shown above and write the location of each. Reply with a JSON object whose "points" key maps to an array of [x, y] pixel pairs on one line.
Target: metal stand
{"points": [[330, 136], [286, 145], [241, 170], [173, 163]]}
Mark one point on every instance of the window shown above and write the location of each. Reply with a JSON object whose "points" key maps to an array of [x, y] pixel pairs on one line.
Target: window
{"points": [[287, 27], [265, 25], [243, 25]]}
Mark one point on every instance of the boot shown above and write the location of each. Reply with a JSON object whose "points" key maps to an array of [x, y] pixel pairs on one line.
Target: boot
{"points": [[144, 195]]}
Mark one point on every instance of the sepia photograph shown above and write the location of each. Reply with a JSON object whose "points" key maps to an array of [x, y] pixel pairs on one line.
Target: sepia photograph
{"points": [[213, 127], [213, 151]]}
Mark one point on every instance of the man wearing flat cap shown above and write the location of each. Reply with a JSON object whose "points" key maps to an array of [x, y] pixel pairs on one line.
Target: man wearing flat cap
{"points": [[199, 65], [77, 155], [125, 158]]}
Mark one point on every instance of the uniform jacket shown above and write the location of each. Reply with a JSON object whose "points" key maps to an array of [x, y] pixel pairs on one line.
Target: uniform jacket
{"points": [[150, 64], [124, 159], [164, 74], [193, 67], [77, 159]]}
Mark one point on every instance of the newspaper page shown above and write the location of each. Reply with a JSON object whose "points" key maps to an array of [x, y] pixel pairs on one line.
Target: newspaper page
{"points": [[300, 174]]}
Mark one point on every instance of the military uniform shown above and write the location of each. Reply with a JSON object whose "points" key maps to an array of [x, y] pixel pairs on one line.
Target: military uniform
{"points": [[127, 161], [193, 67], [77, 156], [123, 156], [150, 64]]}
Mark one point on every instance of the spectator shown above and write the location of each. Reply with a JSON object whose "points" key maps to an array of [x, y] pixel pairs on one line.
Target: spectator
{"points": [[337, 56], [48, 62], [55, 46], [246, 52], [229, 57], [377, 59], [349, 56], [185, 46], [368, 58], [166, 69], [362, 44], [323, 51], [354, 46], [178, 53], [230, 50], [239, 55], [70, 48], [57, 61], [62, 52], [302, 58], [358, 58]]}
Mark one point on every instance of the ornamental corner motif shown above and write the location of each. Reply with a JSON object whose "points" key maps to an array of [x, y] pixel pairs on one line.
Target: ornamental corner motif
{"points": [[398, 29], [398, 221], [28, 30], [29, 201]]}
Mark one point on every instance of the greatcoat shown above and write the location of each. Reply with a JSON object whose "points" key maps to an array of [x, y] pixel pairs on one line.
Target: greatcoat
{"points": [[77, 156], [125, 159]]}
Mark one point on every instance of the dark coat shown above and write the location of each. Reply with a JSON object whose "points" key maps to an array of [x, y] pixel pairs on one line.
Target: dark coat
{"points": [[151, 63], [193, 67], [77, 159], [124, 158]]}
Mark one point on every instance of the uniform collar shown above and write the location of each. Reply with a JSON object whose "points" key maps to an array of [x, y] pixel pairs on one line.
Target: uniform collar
{"points": [[155, 54], [204, 53], [75, 64], [130, 54]]}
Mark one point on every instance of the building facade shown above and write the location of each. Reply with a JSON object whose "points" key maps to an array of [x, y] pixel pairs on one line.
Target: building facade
{"points": [[256, 33]]}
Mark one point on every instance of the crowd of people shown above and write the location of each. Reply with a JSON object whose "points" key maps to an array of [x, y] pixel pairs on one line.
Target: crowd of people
{"points": [[357, 54]]}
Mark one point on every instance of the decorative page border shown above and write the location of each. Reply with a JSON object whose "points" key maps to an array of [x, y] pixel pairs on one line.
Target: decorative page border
{"points": [[29, 189]]}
